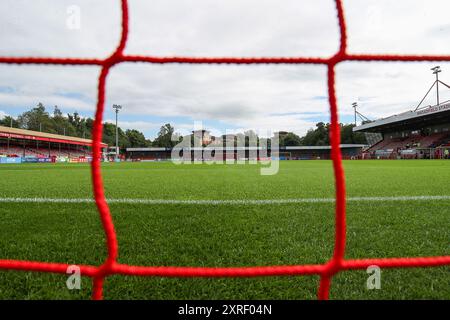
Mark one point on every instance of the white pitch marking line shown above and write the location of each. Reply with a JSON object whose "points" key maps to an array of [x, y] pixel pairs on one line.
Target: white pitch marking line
{"points": [[223, 202]]}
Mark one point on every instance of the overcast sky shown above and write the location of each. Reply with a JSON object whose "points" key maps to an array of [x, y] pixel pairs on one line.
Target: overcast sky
{"points": [[228, 97]]}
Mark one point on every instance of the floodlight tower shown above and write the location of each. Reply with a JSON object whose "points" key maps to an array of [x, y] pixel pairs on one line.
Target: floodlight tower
{"points": [[117, 107], [436, 71], [355, 105]]}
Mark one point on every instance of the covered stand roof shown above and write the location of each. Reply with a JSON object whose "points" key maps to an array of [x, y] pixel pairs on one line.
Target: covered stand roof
{"points": [[15, 133], [411, 120]]}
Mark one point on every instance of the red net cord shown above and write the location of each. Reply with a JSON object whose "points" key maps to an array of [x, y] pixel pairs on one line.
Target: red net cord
{"points": [[326, 271]]}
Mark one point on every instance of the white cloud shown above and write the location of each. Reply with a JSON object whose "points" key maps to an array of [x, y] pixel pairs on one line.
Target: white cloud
{"points": [[225, 93], [71, 88], [39, 28], [398, 27], [138, 125], [233, 28]]}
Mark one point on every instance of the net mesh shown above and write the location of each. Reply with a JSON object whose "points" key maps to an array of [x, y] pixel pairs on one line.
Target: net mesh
{"points": [[337, 263]]}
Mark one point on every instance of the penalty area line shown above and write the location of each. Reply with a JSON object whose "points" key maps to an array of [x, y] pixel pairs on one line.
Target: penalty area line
{"points": [[223, 202]]}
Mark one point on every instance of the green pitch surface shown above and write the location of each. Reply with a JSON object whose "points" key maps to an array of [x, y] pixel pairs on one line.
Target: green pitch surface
{"points": [[226, 233]]}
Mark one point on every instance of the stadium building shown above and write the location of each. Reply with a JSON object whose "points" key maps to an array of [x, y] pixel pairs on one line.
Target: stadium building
{"points": [[349, 151], [19, 145], [423, 133]]}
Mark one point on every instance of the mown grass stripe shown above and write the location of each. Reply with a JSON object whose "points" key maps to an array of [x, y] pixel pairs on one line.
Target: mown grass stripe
{"points": [[223, 202]]}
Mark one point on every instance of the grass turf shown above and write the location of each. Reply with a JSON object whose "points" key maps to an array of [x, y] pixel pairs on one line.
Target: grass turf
{"points": [[226, 235]]}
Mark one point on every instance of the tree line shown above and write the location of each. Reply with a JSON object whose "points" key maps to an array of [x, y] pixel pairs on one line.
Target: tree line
{"points": [[39, 119], [320, 136]]}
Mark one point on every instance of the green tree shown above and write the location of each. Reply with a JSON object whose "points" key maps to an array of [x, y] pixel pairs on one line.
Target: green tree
{"points": [[290, 139], [318, 136], [350, 137], [136, 139], [36, 119], [109, 136], [9, 121], [164, 138], [60, 123]]}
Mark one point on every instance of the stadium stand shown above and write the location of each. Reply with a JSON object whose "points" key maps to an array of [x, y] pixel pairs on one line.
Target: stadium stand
{"points": [[349, 151], [422, 133], [34, 146]]}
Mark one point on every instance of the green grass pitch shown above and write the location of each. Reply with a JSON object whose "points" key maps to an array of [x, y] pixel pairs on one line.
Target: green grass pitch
{"points": [[227, 234]]}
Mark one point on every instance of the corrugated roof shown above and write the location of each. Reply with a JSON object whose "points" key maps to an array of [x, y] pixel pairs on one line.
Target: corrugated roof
{"points": [[44, 135], [405, 116]]}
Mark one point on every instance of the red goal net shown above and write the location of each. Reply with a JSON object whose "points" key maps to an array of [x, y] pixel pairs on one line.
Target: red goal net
{"points": [[337, 262]]}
